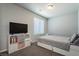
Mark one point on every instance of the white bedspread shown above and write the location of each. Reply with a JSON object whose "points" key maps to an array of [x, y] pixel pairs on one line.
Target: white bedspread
{"points": [[56, 38], [61, 42]]}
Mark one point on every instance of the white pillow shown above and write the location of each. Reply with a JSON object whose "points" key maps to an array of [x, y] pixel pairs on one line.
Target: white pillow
{"points": [[72, 38]]}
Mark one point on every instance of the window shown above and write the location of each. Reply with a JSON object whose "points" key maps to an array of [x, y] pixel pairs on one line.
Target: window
{"points": [[38, 26]]}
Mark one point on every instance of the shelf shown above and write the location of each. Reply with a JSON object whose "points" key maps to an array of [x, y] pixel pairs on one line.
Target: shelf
{"points": [[23, 40]]}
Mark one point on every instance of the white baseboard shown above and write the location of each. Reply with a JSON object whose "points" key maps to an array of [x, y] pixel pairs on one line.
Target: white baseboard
{"points": [[3, 50]]}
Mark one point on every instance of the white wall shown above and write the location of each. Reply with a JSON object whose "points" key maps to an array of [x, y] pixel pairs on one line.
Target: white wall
{"points": [[0, 27], [64, 25], [14, 13], [78, 20]]}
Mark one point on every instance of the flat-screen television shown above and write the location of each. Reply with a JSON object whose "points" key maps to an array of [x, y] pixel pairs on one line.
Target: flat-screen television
{"points": [[16, 28]]}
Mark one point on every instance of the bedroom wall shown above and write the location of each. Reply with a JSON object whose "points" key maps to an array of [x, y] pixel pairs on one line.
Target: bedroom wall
{"points": [[64, 25], [78, 20], [0, 28], [14, 13]]}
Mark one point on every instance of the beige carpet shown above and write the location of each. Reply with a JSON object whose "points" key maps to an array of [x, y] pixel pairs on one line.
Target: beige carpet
{"points": [[33, 50]]}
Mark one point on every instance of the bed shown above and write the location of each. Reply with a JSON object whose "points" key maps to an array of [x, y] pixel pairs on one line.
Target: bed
{"points": [[61, 42]]}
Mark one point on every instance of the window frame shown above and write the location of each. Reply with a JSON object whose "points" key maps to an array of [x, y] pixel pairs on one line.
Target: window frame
{"points": [[39, 30]]}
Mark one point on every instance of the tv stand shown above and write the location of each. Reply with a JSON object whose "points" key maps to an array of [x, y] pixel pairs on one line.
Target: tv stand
{"points": [[18, 41]]}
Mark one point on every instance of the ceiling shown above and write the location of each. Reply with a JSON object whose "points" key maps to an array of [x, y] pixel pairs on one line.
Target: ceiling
{"points": [[59, 9]]}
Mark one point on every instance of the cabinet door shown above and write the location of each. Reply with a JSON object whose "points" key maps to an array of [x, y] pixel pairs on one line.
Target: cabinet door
{"points": [[13, 48], [27, 43]]}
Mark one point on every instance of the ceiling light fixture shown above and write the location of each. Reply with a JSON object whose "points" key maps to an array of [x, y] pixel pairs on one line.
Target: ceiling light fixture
{"points": [[50, 6]]}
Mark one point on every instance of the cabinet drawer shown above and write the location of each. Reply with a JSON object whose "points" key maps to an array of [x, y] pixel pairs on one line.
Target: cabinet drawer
{"points": [[49, 47], [27, 43]]}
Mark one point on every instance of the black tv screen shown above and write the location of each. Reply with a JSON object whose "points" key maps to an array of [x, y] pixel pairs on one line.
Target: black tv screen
{"points": [[16, 28]]}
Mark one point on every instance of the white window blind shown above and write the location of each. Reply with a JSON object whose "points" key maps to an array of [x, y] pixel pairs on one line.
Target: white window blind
{"points": [[38, 26]]}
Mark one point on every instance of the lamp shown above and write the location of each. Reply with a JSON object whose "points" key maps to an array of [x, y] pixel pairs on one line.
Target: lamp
{"points": [[50, 6]]}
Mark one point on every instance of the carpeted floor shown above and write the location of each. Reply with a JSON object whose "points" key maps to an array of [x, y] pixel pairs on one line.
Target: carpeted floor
{"points": [[32, 50]]}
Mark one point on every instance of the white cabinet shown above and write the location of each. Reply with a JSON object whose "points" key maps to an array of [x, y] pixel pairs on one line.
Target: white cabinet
{"points": [[17, 42]]}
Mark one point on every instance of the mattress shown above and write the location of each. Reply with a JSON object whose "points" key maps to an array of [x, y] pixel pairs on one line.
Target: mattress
{"points": [[56, 41]]}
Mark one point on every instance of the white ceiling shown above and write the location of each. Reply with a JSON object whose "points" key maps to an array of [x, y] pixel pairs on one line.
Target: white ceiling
{"points": [[59, 9]]}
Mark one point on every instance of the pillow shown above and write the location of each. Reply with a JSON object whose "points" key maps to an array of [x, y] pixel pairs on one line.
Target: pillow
{"points": [[76, 42], [74, 37]]}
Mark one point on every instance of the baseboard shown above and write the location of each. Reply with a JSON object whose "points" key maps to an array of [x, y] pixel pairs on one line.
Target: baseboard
{"points": [[3, 50]]}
